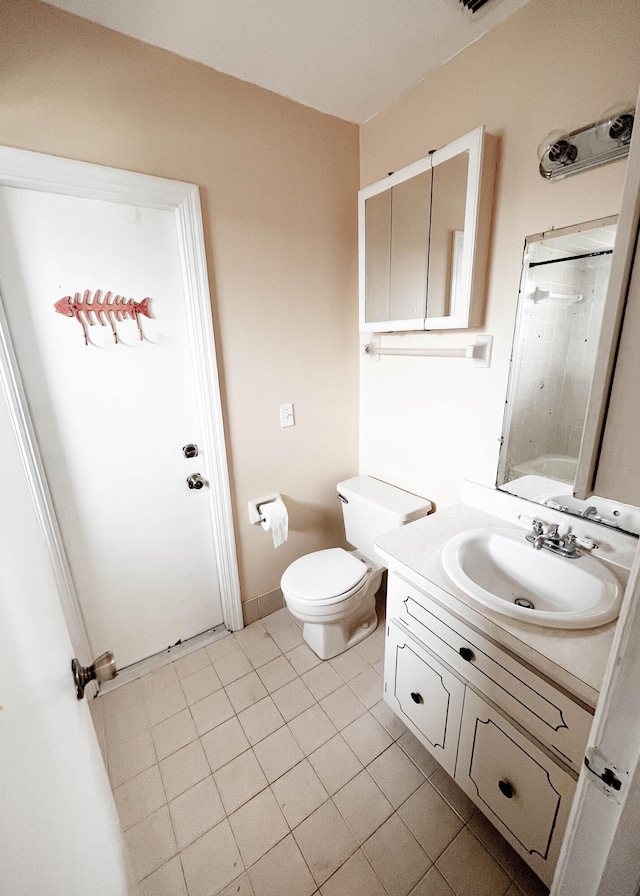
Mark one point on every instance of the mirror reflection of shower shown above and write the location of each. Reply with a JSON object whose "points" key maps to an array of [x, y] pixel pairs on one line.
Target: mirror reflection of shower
{"points": [[562, 295]]}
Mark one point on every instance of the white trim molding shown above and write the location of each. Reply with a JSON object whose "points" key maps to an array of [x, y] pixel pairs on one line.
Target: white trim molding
{"points": [[201, 335]]}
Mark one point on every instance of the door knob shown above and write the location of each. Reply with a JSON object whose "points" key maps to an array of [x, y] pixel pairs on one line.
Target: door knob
{"points": [[190, 450], [195, 480], [102, 669]]}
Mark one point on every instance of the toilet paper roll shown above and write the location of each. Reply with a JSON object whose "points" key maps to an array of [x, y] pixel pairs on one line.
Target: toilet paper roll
{"points": [[275, 519]]}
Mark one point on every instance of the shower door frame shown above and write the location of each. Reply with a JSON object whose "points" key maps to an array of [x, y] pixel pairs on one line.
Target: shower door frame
{"points": [[36, 171]]}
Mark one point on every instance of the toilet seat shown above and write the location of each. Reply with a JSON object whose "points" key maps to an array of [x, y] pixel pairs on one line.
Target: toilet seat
{"points": [[325, 577]]}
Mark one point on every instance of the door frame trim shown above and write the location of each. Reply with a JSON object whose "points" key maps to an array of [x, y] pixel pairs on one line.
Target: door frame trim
{"points": [[36, 171]]}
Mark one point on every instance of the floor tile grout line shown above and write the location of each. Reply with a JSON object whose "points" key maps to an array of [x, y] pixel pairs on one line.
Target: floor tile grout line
{"points": [[305, 757], [228, 815], [511, 879], [291, 831], [286, 724]]}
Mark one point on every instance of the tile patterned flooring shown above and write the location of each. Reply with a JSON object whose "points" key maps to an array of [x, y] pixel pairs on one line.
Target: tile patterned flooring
{"points": [[251, 767]]}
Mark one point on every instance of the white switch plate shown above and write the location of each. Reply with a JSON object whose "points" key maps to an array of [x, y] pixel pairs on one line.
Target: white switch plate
{"points": [[286, 415]]}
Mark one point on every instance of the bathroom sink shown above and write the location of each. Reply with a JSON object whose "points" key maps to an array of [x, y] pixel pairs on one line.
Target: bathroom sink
{"points": [[501, 570]]}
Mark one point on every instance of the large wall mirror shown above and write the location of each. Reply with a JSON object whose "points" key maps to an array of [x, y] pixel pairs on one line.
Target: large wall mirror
{"points": [[561, 304]]}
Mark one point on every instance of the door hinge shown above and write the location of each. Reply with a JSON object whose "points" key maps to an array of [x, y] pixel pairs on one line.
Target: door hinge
{"points": [[604, 774]]}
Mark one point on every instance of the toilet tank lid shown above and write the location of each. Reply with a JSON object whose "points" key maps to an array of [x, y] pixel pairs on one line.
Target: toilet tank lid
{"points": [[403, 505]]}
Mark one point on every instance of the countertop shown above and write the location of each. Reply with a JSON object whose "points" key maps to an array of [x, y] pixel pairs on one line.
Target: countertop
{"points": [[574, 659]]}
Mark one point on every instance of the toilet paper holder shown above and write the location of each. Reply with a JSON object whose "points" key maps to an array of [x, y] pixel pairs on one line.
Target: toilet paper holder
{"points": [[255, 514]]}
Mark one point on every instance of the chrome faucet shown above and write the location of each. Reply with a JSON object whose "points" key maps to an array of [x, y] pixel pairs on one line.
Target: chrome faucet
{"points": [[564, 545], [537, 535], [589, 511], [551, 540]]}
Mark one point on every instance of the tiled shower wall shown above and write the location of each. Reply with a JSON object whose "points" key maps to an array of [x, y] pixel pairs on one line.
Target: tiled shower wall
{"points": [[558, 341]]}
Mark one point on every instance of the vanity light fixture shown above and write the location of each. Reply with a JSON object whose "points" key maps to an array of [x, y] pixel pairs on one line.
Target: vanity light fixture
{"points": [[562, 153]]}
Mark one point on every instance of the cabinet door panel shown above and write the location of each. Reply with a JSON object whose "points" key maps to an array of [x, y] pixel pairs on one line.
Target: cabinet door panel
{"points": [[410, 201], [378, 259], [426, 695], [447, 278], [520, 789]]}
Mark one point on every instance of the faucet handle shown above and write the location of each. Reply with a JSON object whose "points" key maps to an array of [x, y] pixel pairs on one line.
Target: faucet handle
{"points": [[571, 542], [536, 536], [585, 543], [536, 525]]}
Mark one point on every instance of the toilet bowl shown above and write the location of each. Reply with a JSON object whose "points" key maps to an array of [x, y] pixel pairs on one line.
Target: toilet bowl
{"points": [[333, 592]]}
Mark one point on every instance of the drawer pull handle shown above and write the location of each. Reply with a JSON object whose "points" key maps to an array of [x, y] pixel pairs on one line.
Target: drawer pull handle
{"points": [[466, 653], [417, 698], [506, 789]]}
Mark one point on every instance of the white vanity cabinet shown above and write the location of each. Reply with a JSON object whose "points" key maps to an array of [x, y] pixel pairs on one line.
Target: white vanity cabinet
{"points": [[511, 739]]}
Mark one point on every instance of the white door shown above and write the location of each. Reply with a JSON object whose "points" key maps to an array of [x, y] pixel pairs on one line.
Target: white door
{"points": [[111, 419], [59, 831]]}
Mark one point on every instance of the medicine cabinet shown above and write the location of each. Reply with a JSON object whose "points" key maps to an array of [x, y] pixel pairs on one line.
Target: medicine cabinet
{"points": [[423, 238]]}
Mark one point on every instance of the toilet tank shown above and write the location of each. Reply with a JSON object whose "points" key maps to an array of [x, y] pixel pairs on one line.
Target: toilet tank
{"points": [[372, 507]]}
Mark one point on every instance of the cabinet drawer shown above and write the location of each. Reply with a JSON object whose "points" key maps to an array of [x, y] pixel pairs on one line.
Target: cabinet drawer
{"points": [[549, 714], [522, 791], [425, 694]]}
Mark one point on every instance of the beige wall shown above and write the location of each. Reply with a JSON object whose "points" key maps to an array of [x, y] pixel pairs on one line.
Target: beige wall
{"points": [[278, 185], [279, 188], [429, 423]]}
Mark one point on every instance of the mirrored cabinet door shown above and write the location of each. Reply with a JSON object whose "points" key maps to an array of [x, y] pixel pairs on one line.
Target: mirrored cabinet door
{"points": [[410, 202], [423, 237], [378, 257], [446, 293]]}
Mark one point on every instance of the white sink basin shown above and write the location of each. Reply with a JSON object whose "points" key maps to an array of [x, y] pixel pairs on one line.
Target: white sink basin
{"points": [[497, 567]]}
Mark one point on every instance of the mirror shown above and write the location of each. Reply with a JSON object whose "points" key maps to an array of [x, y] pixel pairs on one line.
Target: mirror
{"points": [[409, 236], [396, 253], [423, 233], [562, 294], [378, 257], [446, 293]]}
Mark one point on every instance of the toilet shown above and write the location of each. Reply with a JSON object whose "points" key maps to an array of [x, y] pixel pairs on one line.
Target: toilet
{"points": [[333, 591]]}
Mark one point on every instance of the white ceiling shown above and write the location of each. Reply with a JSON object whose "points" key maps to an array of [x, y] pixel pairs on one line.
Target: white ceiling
{"points": [[349, 58]]}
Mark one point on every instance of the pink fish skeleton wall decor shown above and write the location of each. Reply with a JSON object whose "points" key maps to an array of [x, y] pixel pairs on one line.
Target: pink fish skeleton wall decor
{"points": [[104, 310]]}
